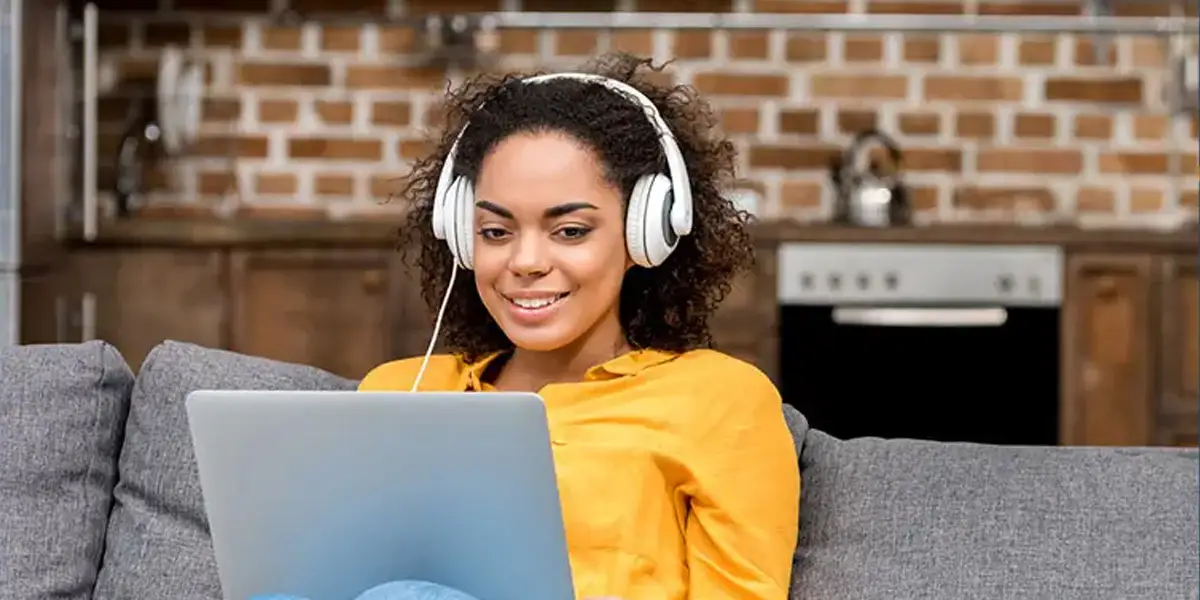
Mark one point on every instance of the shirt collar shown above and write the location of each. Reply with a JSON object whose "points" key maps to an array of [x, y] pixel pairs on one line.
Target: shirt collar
{"points": [[630, 363], [634, 362], [474, 371]]}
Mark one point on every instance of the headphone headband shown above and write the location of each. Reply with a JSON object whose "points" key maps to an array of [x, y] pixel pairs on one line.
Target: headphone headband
{"points": [[681, 211]]}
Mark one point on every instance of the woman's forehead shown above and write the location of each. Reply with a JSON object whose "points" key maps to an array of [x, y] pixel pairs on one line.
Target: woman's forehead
{"points": [[539, 170]]}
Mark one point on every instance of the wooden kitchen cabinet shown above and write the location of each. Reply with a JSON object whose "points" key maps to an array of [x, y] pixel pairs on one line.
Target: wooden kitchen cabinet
{"points": [[1179, 350], [1130, 329], [411, 322], [324, 308], [134, 298], [1131, 350], [1107, 361], [50, 308]]}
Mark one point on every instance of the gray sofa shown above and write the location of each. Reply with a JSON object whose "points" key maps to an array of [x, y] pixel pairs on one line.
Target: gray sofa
{"points": [[99, 497]]}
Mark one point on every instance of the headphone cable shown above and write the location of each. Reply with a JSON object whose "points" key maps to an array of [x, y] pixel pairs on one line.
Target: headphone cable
{"points": [[437, 327]]}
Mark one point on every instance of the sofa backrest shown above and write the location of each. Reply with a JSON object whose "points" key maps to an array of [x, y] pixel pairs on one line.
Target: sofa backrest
{"points": [[62, 414], [158, 544], [879, 519], [913, 519]]}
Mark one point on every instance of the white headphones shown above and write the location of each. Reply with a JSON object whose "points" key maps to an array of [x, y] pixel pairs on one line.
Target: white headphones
{"points": [[659, 211]]}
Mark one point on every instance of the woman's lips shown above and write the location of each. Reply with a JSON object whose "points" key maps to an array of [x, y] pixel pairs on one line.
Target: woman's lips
{"points": [[533, 309]]}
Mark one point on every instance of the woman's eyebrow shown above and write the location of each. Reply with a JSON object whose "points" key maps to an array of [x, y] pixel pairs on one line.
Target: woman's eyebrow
{"points": [[494, 208], [566, 208], [553, 212]]}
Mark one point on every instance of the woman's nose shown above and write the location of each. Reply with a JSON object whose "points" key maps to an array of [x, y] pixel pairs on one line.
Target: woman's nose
{"points": [[529, 256]]}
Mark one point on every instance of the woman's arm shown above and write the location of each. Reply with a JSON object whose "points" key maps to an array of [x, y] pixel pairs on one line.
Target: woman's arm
{"points": [[745, 494]]}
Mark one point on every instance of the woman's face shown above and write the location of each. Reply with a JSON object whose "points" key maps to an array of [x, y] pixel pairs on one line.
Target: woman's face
{"points": [[549, 242]]}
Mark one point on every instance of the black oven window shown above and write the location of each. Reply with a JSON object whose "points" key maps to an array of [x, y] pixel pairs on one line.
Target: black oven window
{"points": [[995, 383]]}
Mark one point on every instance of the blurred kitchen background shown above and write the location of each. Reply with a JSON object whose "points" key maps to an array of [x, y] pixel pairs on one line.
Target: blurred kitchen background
{"points": [[977, 218]]}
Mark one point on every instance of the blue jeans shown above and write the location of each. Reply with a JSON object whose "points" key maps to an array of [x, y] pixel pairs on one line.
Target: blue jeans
{"points": [[396, 590]]}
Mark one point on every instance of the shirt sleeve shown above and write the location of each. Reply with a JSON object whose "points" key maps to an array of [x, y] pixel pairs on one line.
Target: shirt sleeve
{"points": [[398, 375], [744, 494], [388, 377]]}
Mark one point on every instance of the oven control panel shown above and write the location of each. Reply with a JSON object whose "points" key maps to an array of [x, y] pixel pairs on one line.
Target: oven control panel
{"points": [[933, 275]]}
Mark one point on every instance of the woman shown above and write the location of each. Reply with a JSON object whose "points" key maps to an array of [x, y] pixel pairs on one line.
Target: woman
{"points": [[677, 474]]}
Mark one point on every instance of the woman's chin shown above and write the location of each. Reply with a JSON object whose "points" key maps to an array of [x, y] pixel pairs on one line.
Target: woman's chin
{"points": [[536, 341], [544, 337]]}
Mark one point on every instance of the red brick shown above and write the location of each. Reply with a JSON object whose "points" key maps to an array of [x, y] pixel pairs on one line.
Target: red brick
{"points": [[335, 149]]}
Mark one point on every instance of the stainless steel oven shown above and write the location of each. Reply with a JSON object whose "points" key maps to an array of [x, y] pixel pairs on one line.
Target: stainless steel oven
{"points": [[10, 168], [939, 342]]}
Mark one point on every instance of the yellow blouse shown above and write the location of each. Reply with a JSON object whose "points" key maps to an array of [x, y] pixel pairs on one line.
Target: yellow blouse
{"points": [[677, 474]]}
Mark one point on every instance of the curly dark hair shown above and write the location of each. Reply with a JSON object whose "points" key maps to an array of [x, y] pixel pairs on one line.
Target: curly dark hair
{"points": [[665, 308]]}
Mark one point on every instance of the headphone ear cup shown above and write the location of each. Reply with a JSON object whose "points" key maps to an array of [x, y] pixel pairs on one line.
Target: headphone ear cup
{"points": [[660, 238], [464, 224], [450, 218], [635, 223], [440, 212]]}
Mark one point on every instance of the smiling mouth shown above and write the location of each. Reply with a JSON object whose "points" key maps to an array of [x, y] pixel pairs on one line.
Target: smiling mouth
{"points": [[536, 303]]}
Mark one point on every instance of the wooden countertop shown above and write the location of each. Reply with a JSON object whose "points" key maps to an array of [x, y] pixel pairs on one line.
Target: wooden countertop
{"points": [[274, 233], [1074, 238]]}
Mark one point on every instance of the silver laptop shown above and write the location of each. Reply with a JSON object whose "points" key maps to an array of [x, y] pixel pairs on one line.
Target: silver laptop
{"points": [[327, 494]]}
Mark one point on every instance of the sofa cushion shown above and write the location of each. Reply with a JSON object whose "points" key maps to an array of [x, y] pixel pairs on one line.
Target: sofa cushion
{"points": [[910, 519], [798, 425], [158, 544], [62, 410]]}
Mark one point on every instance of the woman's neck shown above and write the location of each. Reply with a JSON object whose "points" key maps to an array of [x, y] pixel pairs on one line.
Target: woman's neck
{"points": [[532, 369]]}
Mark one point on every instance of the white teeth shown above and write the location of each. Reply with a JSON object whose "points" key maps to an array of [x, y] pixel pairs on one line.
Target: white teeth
{"points": [[534, 303]]}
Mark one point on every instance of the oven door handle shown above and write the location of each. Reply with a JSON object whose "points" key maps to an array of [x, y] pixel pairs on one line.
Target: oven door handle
{"points": [[919, 317]]}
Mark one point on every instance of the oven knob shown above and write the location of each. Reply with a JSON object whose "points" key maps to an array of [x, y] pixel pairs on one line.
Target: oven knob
{"points": [[806, 281], [1004, 283], [835, 282], [863, 281], [891, 280]]}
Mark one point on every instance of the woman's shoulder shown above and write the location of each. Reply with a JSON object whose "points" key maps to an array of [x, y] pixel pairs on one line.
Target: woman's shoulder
{"points": [[715, 392], [722, 373], [715, 362], [442, 373]]}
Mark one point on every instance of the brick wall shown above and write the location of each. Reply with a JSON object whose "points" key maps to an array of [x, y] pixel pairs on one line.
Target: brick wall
{"points": [[317, 120]]}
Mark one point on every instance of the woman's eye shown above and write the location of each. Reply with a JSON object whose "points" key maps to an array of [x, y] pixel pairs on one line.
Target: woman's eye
{"points": [[573, 233], [492, 233]]}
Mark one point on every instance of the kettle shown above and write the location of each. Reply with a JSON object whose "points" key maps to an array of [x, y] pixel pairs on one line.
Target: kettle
{"points": [[874, 196], [138, 148]]}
